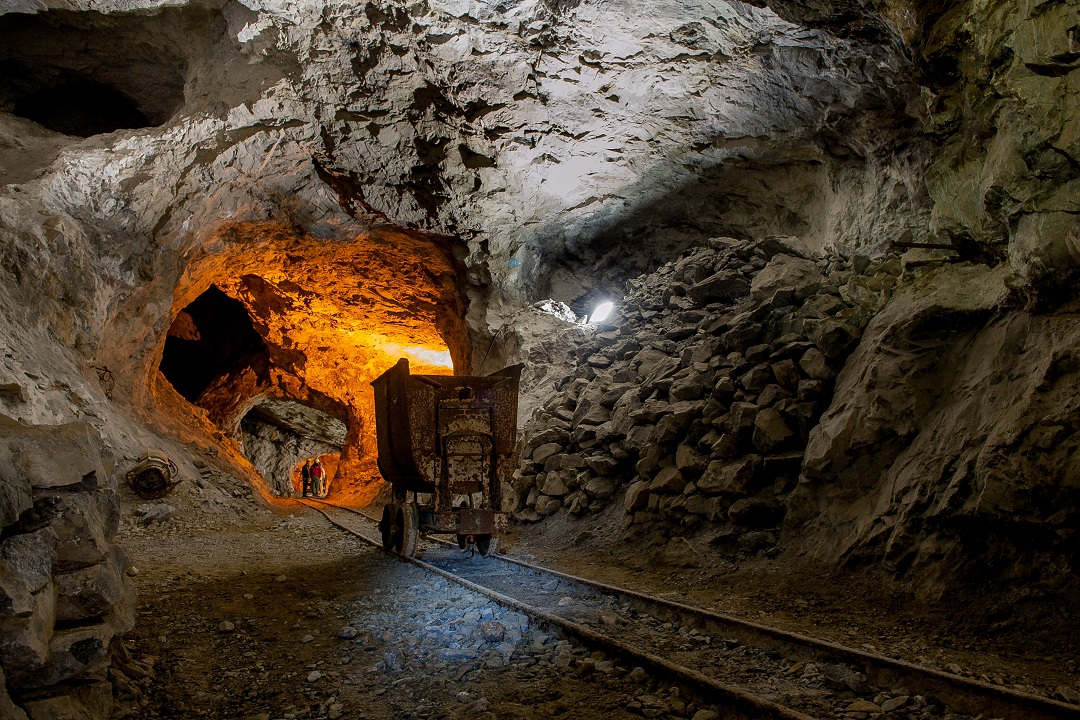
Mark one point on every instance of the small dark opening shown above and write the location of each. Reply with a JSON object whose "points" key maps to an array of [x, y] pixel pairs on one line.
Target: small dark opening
{"points": [[82, 108], [211, 337]]}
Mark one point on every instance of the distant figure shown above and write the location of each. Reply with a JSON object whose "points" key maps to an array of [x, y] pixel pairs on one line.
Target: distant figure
{"points": [[318, 479], [305, 477]]}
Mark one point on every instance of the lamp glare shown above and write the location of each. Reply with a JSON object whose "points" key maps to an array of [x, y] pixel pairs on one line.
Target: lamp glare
{"points": [[602, 312]]}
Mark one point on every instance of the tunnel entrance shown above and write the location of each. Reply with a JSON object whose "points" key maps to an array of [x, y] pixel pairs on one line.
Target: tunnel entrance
{"points": [[81, 107], [210, 338], [278, 436]]}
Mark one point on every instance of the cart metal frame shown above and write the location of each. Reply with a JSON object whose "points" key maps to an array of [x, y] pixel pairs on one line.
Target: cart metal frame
{"points": [[450, 437]]}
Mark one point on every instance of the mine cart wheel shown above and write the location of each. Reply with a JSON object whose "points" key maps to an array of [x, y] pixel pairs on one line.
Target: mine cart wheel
{"points": [[409, 516], [388, 527], [400, 528], [486, 545]]}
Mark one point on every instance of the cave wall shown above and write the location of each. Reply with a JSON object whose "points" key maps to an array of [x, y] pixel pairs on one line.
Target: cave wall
{"points": [[999, 87], [65, 596]]}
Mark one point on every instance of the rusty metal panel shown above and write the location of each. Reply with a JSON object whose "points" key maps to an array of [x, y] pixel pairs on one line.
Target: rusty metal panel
{"points": [[447, 434]]}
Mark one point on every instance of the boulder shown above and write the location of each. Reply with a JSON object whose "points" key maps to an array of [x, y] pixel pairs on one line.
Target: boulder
{"points": [[150, 513], [688, 459], [770, 430], [815, 365], [24, 642], [553, 485], [729, 477], [556, 435], [690, 387], [76, 651], [835, 338], [787, 374], [83, 523], [30, 556], [8, 709], [701, 505], [547, 505], [90, 592], [602, 464], [543, 452], [668, 481], [637, 496], [724, 286], [577, 503], [795, 275], [756, 512], [600, 488], [52, 456]]}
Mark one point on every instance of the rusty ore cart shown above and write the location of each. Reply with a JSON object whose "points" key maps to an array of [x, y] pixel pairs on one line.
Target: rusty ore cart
{"points": [[451, 438]]}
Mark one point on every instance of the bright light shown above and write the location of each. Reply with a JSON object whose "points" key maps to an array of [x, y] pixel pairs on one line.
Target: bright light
{"points": [[420, 355], [602, 312]]}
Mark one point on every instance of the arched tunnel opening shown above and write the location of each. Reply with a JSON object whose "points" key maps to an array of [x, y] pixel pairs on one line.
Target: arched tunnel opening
{"points": [[81, 107], [280, 436], [279, 353]]}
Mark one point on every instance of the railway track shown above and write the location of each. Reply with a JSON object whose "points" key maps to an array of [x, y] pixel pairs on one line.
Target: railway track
{"points": [[751, 669]]}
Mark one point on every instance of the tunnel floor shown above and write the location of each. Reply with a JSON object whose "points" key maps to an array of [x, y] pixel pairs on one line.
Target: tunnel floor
{"points": [[285, 617], [292, 619]]}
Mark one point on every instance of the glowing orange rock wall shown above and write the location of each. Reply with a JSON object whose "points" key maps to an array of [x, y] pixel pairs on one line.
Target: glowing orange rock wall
{"points": [[333, 315]]}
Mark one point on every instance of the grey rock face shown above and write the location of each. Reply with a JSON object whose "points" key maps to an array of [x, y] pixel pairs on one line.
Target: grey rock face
{"points": [[901, 423], [59, 566]]}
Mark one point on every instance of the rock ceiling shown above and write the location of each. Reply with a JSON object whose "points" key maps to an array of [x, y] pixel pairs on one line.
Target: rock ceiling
{"points": [[368, 176]]}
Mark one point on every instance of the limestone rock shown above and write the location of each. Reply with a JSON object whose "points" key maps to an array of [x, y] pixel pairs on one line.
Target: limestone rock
{"points": [[553, 485], [722, 287], [669, 480], [637, 496], [679, 553], [729, 477], [59, 456], [546, 505], [545, 451], [770, 430], [799, 277], [24, 642], [30, 557], [8, 709], [90, 592], [83, 523], [600, 488], [756, 513]]}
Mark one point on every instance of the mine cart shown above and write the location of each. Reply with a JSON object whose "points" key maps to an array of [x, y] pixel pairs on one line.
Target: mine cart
{"points": [[448, 440]]}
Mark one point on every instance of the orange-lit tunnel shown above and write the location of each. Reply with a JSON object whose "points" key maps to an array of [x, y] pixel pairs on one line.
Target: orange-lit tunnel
{"points": [[278, 338]]}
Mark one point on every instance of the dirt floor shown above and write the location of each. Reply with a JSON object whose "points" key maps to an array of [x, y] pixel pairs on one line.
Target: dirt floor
{"points": [[283, 616], [287, 617]]}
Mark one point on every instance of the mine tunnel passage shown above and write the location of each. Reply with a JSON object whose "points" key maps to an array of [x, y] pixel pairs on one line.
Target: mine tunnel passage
{"points": [[280, 353]]}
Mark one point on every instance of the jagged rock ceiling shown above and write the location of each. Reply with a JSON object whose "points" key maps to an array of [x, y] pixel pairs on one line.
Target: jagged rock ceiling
{"points": [[433, 166]]}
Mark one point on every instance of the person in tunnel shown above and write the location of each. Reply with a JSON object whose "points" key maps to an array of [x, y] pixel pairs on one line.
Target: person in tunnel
{"points": [[305, 478], [318, 479]]}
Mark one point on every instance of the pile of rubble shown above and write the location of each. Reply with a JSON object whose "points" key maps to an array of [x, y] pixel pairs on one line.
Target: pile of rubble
{"points": [[696, 406]]}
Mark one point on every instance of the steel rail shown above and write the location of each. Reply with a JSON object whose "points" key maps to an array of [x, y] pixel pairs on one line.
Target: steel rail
{"points": [[960, 694], [748, 705]]}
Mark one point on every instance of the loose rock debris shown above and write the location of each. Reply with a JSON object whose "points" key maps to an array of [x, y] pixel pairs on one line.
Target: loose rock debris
{"points": [[350, 633]]}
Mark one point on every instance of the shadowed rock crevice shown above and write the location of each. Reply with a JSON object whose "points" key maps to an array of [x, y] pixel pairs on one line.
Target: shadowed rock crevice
{"points": [[211, 337]]}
